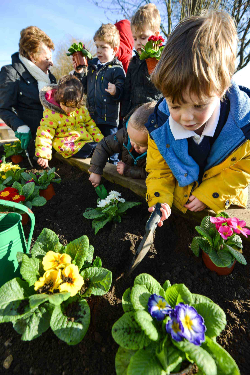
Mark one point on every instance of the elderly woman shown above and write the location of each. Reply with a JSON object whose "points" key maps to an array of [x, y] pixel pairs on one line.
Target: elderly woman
{"points": [[20, 83]]}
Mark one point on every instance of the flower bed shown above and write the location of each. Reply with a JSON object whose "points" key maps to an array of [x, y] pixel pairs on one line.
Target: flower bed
{"points": [[170, 258]]}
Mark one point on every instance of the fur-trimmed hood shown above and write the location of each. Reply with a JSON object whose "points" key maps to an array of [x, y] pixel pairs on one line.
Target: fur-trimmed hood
{"points": [[46, 96]]}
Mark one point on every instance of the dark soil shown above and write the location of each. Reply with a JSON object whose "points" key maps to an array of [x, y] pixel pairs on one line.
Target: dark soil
{"points": [[170, 258]]}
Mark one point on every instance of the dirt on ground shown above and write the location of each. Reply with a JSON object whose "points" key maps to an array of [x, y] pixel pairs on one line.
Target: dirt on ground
{"points": [[170, 258]]}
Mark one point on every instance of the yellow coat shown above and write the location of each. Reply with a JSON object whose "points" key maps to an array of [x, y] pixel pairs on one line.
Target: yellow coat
{"points": [[221, 186]]}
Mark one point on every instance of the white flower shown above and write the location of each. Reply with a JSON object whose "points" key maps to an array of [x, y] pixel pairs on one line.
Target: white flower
{"points": [[102, 203], [121, 200], [114, 194]]}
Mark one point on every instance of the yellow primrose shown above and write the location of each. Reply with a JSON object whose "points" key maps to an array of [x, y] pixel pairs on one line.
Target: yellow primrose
{"points": [[55, 260], [49, 281], [72, 281], [3, 176]]}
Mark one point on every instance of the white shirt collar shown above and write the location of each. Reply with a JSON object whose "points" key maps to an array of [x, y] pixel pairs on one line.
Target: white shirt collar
{"points": [[180, 133]]}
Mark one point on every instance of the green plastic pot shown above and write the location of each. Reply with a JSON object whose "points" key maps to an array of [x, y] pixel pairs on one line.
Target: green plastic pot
{"points": [[12, 240]]}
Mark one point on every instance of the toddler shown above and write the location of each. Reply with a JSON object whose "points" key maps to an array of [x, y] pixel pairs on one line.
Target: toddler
{"points": [[138, 87], [199, 148], [66, 124], [131, 142]]}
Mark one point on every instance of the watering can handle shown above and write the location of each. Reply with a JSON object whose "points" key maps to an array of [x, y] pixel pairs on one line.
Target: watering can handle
{"points": [[21, 207]]}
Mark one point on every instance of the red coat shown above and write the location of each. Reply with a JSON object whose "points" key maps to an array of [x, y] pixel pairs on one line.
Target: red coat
{"points": [[126, 43]]}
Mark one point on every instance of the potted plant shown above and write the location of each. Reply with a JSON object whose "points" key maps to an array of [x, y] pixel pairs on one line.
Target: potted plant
{"points": [[220, 242], [9, 173], [80, 54], [165, 328], [14, 151], [56, 282], [43, 181], [152, 51], [110, 207]]}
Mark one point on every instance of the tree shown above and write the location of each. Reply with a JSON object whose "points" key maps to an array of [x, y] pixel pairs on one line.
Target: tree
{"points": [[172, 11], [62, 62]]}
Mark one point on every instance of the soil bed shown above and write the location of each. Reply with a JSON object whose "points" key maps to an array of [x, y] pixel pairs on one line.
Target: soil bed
{"points": [[170, 258]]}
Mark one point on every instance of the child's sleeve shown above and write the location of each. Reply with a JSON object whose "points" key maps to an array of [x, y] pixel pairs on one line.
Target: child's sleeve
{"points": [[219, 190], [134, 171], [45, 134], [90, 126], [118, 81], [126, 100], [160, 181]]}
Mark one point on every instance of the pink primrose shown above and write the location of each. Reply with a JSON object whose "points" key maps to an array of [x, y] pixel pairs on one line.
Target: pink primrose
{"points": [[238, 226], [225, 231]]}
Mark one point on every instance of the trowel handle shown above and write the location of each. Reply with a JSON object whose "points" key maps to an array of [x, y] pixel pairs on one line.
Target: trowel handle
{"points": [[154, 218]]}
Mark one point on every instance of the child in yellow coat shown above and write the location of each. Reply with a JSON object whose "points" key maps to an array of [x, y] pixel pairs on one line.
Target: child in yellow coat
{"points": [[66, 124]]}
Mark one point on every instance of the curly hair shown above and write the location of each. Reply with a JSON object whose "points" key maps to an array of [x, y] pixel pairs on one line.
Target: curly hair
{"points": [[146, 16], [109, 34], [31, 39], [70, 92]]}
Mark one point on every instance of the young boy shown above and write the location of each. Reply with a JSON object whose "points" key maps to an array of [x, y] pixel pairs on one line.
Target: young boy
{"points": [[131, 142], [104, 82], [199, 148], [138, 87]]}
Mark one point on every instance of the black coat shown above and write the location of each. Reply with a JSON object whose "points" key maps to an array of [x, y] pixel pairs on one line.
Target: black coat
{"points": [[138, 87], [103, 107], [135, 163], [19, 96]]}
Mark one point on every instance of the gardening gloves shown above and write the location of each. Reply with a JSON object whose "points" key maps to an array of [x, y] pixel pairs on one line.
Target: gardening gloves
{"points": [[23, 133]]}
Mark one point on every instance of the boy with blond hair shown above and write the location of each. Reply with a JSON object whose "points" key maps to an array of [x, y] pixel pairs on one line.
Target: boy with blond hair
{"points": [[199, 135], [104, 82], [138, 87]]}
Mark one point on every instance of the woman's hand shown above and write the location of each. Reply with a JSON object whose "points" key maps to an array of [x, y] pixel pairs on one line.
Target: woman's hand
{"points": [[44, 163], [120, 167], [95, 179], [195, 204], [166, 212]]}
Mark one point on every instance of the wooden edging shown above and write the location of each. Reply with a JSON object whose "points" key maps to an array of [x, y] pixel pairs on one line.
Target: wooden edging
{"points": [[139, 187]]}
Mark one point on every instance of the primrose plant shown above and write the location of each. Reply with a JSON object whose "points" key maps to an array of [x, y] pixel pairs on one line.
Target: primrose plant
{"points": [[41, 179], [165, 328], [220, 239], [56, 281], [110, 207]]}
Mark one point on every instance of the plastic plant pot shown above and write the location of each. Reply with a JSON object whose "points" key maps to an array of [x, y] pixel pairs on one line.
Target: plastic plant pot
{"points": [[16, 159], [47, 193], [212, 267], [79, 59], [25, 219], [151, 64]]}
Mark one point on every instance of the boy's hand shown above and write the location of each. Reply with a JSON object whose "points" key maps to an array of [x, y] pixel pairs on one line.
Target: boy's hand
{"points": [[120, 167], [195, 204], [44, 163], [166, 212], [111, 89], [95, 179]]}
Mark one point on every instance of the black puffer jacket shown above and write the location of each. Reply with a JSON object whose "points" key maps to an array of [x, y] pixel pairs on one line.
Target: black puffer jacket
{"points": [[19, 96], [120, 142], [138, 87], [103, 107]]}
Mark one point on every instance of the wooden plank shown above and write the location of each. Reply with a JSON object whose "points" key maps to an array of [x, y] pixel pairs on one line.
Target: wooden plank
{"points": [[138, 186]]}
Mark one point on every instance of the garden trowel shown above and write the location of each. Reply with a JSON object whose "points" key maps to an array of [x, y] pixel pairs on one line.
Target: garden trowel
{"points": [[148, 238]]}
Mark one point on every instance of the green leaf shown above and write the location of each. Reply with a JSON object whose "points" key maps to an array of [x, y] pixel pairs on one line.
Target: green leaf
{"points": [[46, 241], [198, 298], [17, 186], [139, 297], [90, 254], [122, 359], [126, 301], [14, 301], [235, 240], [99, 224], [145, 362], [122, 207], [225, 363], [147, 324], [99, 280], [78, 250], [166, 285], [97, 262], [150, 283], [38, 201], [168, 355], [221, 258], [93, 213], [30, 269], [204, 233], [236, 254], [214, 317], [178, 293], [127, 333], [32, 327], [73, 328], [200, 356], [26, 176], [195, 246], [28, 189]]}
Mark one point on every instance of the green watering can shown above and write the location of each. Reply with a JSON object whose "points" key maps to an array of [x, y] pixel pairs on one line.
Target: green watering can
{"points": [[12, 240]]}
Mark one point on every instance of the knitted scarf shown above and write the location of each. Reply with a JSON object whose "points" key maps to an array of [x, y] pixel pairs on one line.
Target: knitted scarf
{"points": [[41, 77]]}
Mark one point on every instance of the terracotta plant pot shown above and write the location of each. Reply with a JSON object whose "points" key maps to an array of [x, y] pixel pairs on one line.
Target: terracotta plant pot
{"points": [[79, 59], [47, 193], [151, 64], [212, 267], [25, 219], [16, 159]]}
